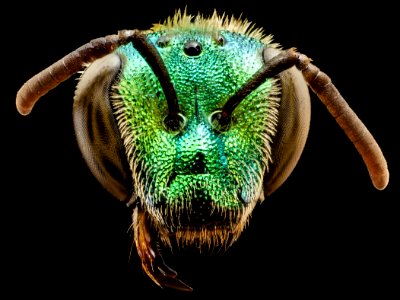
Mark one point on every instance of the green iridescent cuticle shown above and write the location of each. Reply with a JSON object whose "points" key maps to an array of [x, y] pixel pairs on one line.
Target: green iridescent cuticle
{"points": [[232, 162]]}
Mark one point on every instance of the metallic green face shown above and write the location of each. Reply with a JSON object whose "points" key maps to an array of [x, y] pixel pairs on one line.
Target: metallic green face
{"points": [[200, 182]]}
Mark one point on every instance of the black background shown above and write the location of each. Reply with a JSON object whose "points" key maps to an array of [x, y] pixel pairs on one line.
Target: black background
{"points": [[325, 232]]}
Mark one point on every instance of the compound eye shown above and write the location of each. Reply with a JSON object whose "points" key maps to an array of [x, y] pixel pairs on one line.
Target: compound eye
{"points": [[192, 48]]}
